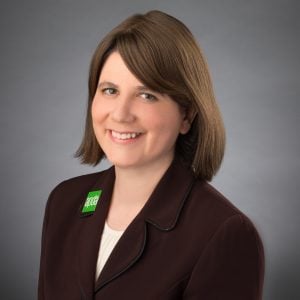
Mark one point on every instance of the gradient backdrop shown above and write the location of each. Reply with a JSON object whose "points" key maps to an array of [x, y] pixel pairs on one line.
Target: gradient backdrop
{"points": [[252, 48]]}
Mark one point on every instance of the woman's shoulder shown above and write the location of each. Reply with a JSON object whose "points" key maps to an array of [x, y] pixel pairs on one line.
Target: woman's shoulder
{"points": [[70, 193], [210, 199], [79, 182], [212, 209], [213, 220]]}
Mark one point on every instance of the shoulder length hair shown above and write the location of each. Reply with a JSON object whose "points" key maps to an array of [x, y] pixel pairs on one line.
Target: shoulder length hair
{"points": [[163, 54]]}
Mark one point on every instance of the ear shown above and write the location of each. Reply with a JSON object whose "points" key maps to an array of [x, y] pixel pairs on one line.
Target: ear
{"points": [[187, 121], [185, 126]]}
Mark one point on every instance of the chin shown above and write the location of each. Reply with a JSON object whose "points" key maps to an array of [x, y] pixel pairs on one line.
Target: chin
{"points": [[123, 163]]}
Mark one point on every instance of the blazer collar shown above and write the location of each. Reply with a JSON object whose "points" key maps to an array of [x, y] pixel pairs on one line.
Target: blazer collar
{"points": [[164, 205], [162, 210]]}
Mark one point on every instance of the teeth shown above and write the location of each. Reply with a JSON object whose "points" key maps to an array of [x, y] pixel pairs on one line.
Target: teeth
{"points": [[124, 136]]}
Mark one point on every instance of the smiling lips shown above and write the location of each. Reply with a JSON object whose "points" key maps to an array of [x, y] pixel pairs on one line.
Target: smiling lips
{"points": [[124, 135]]}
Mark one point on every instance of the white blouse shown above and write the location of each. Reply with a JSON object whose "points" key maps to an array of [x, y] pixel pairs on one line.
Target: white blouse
{"points": [[109, 239]]}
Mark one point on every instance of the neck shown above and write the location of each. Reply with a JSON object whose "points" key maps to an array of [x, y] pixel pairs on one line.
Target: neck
{"points": [[133, 186]]}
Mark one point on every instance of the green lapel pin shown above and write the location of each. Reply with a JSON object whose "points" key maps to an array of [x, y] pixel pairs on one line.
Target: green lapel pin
{"points": [[91, 201]]}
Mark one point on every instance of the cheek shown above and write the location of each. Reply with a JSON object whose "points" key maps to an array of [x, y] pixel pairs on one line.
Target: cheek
{"points": [[167, 125], [97, 111]]}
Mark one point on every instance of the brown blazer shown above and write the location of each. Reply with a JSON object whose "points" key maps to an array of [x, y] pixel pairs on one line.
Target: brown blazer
{"points": [[188, 242]]}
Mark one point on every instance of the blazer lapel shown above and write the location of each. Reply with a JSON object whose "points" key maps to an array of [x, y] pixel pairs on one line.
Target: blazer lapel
{"points": [[125, 254]]}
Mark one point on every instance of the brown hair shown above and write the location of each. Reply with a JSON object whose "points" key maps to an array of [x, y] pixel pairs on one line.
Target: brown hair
{"points": [[163, 54]]}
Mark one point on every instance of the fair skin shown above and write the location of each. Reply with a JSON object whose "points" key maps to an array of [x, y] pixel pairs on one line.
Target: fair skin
{"points": [[137, 129]]}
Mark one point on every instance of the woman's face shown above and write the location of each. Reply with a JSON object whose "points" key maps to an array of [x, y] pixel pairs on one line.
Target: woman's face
{"points": [[134, 126]]}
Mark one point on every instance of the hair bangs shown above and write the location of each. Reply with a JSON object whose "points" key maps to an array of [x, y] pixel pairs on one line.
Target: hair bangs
{"points": [[146, 57]]}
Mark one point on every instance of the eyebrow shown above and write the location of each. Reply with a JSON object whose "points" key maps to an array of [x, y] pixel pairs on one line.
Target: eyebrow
{"points": [[109, 83]]}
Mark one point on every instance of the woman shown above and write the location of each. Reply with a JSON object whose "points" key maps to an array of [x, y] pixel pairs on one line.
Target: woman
{"points": [[151, 226]]}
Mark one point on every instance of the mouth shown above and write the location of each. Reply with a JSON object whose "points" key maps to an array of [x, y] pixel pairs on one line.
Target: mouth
{"points": [[124, 135]]}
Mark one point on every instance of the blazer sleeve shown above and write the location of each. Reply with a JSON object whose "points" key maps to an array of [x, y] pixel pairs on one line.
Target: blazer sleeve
{"points": [[231, 266], [41, 295]]}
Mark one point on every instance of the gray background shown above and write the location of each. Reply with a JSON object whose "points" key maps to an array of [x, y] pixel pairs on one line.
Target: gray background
{"points": [[252, 48]]}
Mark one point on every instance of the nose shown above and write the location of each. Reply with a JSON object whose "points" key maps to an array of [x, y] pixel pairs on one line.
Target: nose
{"points": [[122, 111]]}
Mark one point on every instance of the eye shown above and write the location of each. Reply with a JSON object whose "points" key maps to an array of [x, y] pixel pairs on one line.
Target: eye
{"points": [[109, 91], [148, 97]]}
